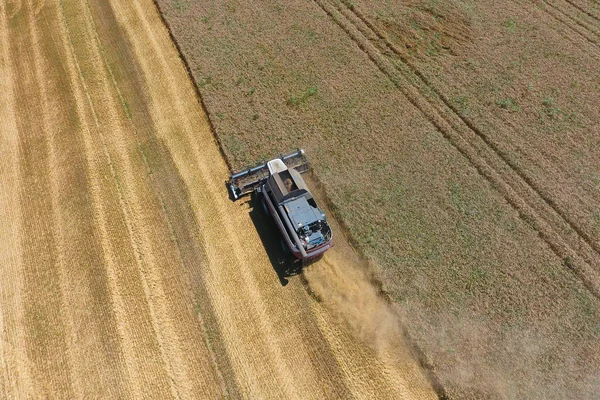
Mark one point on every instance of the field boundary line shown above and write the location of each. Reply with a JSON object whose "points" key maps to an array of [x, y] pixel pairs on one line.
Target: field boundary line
{"points": [[195, 86], [472, 147]]}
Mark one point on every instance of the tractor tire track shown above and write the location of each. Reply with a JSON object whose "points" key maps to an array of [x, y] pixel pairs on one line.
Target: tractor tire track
{"points": [[562, 235], [157, 281], [85, 286], [16, 374], [583, 10], [453, 116], [583, 28]]}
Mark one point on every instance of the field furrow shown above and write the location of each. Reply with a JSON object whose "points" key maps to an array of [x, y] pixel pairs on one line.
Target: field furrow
{"points": [[564, 14], [555, 227]]}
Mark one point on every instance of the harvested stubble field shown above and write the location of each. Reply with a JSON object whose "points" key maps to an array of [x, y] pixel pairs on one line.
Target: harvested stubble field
{"points": [[126, 270], [458, 141]]}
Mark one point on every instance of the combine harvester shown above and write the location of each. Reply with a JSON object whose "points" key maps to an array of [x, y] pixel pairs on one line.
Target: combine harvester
{"points": [[286, 198]]}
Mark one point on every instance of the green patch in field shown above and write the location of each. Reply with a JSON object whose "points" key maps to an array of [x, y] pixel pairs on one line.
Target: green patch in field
{"points": [[596, 218], [460, 200], [127, 109], [586, 302], [550, 110], [510, 25], [434, 45], [303, 98], [478, 276], [305, 33], [508, 104], [462, 104], [205, 19], [235, 147], [181, 5], [150, 155], [431, 139], [349, 3], [205, 81]]}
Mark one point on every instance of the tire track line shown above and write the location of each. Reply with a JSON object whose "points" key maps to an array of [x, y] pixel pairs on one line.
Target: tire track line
{"points": [[585, 45], [586, 27], [137, 214], [533, 207], [556, 13], [583, 10], [85, 287], [449, 113], [126, 333], [184, 375], [16, 375], [529, 189]]}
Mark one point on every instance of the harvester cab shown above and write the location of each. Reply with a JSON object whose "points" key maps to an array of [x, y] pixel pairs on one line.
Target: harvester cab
{"points": [[288, 200]]}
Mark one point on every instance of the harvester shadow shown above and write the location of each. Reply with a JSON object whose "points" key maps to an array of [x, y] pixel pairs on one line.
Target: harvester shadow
{"points": [[269, 234]]}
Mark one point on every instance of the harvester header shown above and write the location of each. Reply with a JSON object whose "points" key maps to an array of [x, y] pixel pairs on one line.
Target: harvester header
{"points": [[248, 180]]}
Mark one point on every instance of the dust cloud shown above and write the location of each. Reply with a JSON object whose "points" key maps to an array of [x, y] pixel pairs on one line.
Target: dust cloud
{"points": [[351, 293]]}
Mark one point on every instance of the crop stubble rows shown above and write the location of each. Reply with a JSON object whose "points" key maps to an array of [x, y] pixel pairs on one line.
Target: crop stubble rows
{"points": [[133, 273]]}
